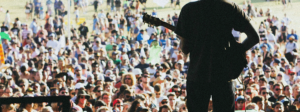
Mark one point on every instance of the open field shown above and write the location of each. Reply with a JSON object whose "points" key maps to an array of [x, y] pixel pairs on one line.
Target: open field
{"points": [[17, 9]]}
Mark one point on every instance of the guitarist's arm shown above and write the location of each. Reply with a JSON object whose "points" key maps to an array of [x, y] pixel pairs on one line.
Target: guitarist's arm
{"points": [[252, 37], [183, 46]]}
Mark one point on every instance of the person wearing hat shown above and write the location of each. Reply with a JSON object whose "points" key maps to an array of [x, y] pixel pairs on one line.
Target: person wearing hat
{"points": [[240, 103], [292, 76], [290, 51], [118, 105], [81, 100], [277, 107], [276, 64]]}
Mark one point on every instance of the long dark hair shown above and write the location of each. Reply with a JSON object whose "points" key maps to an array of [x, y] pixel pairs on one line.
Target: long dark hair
{"points": [[134, 105]]}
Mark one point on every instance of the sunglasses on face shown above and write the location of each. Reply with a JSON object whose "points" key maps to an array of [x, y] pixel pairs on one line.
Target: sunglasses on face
{"points": [[248, 93], [164, 102], [177, 91], [146, 76], [99, 91], [73, 93], [265, 93], [82, 97], [127, 96], [64, 92], [119, 105], [157, 93], [268, 71], [278, 89]]}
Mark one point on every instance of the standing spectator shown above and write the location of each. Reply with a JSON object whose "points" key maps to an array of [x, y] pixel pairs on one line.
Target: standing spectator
{"points": [[4, 28], [291, 49], [283, 31], [34, 27], [49, 9], [83, 30], [28, 10], [177, 3], [7, 19], [96, 3], [57, 6], [118, 5], [293, 34], [76, 12], [37, 6]]}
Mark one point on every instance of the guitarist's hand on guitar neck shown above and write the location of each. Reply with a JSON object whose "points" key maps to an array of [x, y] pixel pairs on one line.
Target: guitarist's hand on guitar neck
{"points": [[157, 22]]}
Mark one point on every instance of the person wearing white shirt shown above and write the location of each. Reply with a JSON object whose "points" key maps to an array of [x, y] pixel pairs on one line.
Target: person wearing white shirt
{"points": [[101, 15], [286, 20], [52, 42], [271, 38], [7, 18], [150, 30]]}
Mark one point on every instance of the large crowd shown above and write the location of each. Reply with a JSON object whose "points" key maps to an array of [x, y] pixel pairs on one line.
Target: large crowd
{"points": [[105, 67]]}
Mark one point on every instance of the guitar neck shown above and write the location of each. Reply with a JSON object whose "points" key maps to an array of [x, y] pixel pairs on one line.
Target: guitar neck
{"points": [[167, 25]]}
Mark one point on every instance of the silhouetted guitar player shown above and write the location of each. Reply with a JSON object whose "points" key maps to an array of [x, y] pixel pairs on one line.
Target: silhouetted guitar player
{"points": [[204, 28]]}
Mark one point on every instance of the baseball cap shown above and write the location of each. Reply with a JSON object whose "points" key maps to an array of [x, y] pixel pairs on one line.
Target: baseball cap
{"points": [[108, 79], [114, 53], [79, 86], [180, 62], [277, 60], [137, 71], [163, 98], [83, 66], [117, 101], [78, 68], [240, 98], [292, 71]]}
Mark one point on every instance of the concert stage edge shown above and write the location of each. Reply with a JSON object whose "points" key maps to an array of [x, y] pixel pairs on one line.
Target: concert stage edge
{"points": [[64, 99]]}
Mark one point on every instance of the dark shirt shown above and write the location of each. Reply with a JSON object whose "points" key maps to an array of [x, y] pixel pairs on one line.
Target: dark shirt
{"points": [[87, 109], [175, 19], [198, 23], [142, 66], [4, 28], [83, 30], [272, 99], [15, 31], [273, 29]]}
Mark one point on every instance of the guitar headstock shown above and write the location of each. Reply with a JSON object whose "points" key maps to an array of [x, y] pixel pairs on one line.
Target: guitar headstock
{"points": [[151, 20]]}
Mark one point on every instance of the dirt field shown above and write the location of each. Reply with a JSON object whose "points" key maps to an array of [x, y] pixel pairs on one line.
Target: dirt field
{"points": [[17, 9]]}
